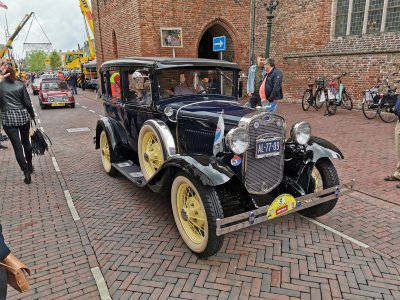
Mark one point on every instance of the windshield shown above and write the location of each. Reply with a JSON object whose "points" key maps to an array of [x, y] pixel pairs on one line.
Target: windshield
{"points": [[190, 81], [54, 86]]}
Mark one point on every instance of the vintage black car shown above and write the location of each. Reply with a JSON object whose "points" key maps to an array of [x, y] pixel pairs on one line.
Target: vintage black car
{"points": [[176, 126]]}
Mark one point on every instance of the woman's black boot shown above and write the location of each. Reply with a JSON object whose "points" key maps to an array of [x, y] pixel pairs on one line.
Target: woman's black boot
{"points": [[27, 178], [30, 167]]}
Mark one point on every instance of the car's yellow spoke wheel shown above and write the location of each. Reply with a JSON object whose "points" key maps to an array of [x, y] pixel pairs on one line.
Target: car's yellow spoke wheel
{"points": [[190, 214], [151, 155], [105, 152], [318, 184]]}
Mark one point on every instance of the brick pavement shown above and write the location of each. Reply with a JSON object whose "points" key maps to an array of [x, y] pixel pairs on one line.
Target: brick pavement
{"points": [[139, 250], [39, 229]]}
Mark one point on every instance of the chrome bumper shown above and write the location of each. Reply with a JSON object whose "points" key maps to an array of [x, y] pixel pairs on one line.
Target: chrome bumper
{"points": [[259, 215]]}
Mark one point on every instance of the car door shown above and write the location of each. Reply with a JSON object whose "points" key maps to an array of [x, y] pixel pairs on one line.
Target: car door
{"points": [[137, 100]]}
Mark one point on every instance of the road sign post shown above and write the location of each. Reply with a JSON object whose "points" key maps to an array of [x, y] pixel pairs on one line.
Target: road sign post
{"points": [[219, 45]]}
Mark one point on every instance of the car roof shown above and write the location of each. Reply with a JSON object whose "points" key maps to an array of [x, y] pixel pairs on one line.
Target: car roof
{"points": [[168, 62]]}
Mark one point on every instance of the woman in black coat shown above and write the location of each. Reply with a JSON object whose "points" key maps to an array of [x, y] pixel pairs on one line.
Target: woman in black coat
{"points": [[4, 252], [17, 112]]}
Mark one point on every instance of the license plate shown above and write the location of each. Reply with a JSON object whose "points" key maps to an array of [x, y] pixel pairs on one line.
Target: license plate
{"points": [[268, 147], [58, 104]]}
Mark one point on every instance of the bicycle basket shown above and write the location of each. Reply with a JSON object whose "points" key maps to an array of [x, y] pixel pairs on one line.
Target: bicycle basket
{"points": [[371, 95]]}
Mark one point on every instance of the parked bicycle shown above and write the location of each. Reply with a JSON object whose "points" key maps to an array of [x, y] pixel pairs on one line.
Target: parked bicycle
{"points": [[381, 104], [336, 95], [315, 99], [371, 102]]}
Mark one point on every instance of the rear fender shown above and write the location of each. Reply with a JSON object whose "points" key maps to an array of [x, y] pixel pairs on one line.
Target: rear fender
{"points": [[323, 148], [208, 170], [116, 135]]}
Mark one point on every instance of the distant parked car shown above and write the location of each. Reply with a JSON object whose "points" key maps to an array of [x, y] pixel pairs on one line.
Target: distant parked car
{"points": [[55, 93], [50, 75], [36, 86]]}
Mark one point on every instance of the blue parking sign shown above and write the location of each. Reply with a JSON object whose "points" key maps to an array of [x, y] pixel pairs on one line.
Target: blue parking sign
{"points": [[219, 43]]}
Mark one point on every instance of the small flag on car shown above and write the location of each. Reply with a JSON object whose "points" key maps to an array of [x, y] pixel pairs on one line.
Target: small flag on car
{"points": [[3, 5], [219, 135]]}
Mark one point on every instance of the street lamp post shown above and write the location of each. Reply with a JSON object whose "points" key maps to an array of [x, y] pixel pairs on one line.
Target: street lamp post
{"points": [[271, 6]]}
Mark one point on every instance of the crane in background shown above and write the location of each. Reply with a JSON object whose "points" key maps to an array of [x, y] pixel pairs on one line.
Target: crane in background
{"points": [[88, 17], [10, 40], [13, 36], [75, 59]]}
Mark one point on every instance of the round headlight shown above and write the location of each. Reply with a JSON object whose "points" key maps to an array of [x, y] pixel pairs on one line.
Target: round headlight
{"points": [[301, 132], [168, 111], [237, 140]]}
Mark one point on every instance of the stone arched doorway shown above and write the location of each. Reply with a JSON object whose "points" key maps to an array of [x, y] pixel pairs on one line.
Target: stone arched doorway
{"points": [[205, 49]]}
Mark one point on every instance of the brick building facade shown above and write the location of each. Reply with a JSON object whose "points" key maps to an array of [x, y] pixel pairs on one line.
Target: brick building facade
{"points": [[314, 38], [132, 28], [310, 38]]}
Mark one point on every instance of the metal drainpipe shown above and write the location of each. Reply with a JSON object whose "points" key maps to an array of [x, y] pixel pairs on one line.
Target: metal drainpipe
{"points": [[253, 20]]}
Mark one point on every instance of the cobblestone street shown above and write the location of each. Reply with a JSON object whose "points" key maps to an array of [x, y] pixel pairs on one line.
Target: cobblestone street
{"points": [[128, 235]]}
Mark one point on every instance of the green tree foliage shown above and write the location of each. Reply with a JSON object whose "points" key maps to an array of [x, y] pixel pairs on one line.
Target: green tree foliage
{"points": [[55, 60], [35, 61]]}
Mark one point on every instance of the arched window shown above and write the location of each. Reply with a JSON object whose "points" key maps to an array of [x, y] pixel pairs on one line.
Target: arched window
{"points": [[114, 44]]}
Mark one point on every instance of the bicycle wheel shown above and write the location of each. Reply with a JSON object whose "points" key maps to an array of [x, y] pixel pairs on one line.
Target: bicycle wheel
{"points": [[369, 109], [331, 106], [318, 102], [387, 115], [347, 102], [306, 101]]}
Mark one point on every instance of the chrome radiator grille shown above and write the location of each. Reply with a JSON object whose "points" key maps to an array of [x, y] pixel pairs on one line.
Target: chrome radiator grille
{"points": [[264, 174]]}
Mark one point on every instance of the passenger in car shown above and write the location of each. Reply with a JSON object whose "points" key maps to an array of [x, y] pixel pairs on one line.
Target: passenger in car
{"points": [[187, 87], [166, 88], [146, 93]]}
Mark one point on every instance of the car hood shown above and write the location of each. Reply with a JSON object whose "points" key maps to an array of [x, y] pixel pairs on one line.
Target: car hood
{"points": [[210, 109]]}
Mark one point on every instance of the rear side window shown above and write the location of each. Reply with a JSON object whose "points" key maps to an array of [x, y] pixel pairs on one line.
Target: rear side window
{"points": [[138, 87]]}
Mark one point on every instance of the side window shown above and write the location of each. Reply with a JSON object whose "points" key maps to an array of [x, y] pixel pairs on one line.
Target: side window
{"points": [[139, 87]]}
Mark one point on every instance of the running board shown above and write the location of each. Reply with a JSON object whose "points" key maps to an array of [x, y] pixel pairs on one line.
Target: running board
{"points": [[131, 171], [259, 215]]}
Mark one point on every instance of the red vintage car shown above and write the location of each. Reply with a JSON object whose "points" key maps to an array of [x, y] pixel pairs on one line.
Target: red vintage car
{"points": [[55, 93]]}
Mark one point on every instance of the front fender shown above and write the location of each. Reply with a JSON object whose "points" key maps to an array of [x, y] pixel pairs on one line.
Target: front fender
{"points": [[116, 135], [210, 171], [323, 148]]}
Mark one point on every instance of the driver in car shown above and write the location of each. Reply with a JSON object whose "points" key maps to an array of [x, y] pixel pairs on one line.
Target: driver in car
{"points": [[187, 87]]}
